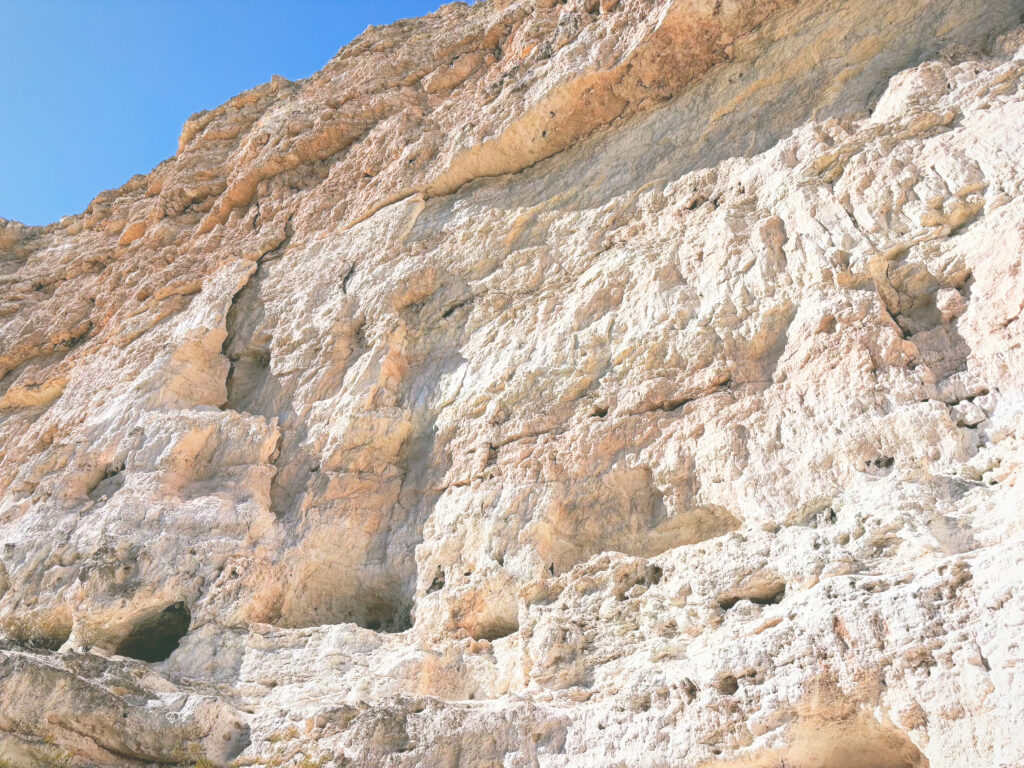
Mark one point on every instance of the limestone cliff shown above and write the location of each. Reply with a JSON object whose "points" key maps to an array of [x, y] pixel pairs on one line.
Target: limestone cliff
{"points": [[555, 384]]}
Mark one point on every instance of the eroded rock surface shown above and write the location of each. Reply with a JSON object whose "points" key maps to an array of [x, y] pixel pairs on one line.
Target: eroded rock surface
{"points": [[581, 383]]}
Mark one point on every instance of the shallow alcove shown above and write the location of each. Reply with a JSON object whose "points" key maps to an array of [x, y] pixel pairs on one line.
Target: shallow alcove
{"points": [[386, 617], [53, 639], [45, 630], [330, 586], [495, 630], [379, 613], [758, 592], [155, 637], [489, 615], [850, 742]]}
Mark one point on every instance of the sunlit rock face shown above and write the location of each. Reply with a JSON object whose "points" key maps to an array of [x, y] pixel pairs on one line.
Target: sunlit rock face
{"points": [[541, 384]]}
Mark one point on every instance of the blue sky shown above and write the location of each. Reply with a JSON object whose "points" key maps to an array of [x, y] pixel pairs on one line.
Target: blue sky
{"points": [[95, 91]]}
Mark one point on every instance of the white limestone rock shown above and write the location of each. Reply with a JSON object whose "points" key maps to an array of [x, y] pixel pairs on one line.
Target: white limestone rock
{"points": [[546, 384]]}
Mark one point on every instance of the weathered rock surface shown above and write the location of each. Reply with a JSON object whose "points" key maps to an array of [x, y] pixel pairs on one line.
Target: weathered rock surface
{"points": [[582, 383]]}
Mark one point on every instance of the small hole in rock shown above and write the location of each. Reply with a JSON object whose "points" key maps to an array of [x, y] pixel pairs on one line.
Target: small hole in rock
{"points": [[437, 583]]}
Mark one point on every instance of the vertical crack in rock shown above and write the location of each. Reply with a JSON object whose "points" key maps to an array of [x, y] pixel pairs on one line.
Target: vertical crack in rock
{"points": [[246, 348]]}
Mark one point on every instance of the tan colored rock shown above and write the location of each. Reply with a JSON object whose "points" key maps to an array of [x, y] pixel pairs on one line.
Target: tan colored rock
{"points": [[539, 384]]}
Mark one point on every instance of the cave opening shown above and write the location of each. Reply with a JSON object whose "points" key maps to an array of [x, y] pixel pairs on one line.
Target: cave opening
{"points": [[155, 637]]}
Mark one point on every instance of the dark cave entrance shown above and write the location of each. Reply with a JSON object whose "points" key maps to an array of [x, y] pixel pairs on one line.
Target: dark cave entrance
{"points": [[155, 637]]}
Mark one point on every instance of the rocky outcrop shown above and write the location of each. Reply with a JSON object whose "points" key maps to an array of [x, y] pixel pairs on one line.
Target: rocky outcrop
{"points": [[541, 383]]}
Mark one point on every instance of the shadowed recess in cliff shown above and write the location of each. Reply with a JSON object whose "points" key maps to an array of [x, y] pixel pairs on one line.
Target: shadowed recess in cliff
{"points": [[325, 595], [858, 741], [156, 636], [48, 630]]}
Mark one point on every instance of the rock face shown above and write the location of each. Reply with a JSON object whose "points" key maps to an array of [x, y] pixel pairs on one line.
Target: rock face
{"points": [[581, 383]]}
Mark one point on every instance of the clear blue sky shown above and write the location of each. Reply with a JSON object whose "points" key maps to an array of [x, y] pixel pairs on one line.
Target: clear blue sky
{"points": [[95, 91]]}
